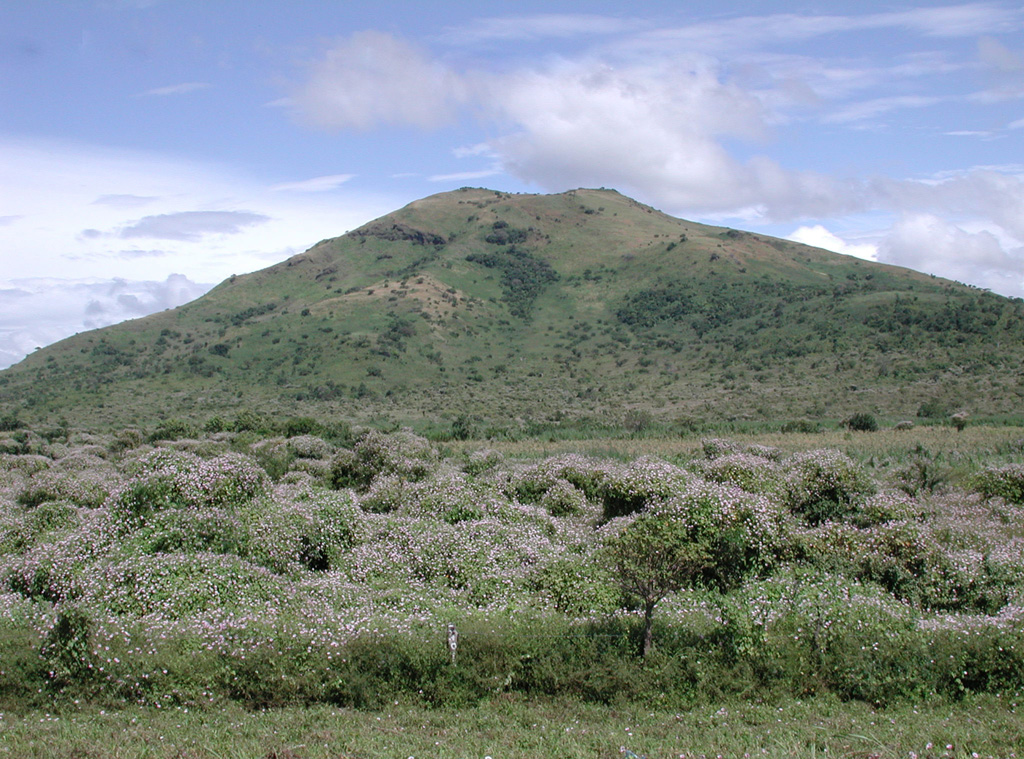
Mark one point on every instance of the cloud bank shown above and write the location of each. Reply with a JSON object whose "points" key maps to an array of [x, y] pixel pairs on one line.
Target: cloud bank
{"points": [[39, 311]]}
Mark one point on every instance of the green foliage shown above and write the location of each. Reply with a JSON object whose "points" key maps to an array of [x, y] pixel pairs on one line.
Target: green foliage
{"points": [[524, 276], [862, 422], [67, 649], [824, 484], [1002, 482]]}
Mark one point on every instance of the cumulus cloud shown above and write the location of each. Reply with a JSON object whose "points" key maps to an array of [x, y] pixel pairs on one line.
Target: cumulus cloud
{"points": [[192, 225], [927, 243], [38, 311], [820, 237], [373, 78]]}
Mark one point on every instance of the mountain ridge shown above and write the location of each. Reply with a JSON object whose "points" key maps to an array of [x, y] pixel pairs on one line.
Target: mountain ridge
{"points": [[515, 308]]}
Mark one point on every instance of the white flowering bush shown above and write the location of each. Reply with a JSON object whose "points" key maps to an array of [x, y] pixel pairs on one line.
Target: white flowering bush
{"points": [[197, 578], [628, 489], [452, 497], [823, 484], [482, 460], [753, 473], [1006, 482], [309, 530], [171, 480], [402, 453], [387, 493], [89, 488], [858, 640], [887, 506], [744, 532]]}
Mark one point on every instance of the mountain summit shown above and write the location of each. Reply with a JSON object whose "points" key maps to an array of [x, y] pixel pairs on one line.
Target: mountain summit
{"points": [[511, 309]]}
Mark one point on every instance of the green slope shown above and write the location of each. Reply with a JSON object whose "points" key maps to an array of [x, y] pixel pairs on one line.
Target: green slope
{"points": [[518, 308]]}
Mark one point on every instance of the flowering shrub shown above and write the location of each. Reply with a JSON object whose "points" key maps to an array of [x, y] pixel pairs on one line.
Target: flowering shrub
{"points": [[310, 530], [580, 586], [451, 497], [310, 447], [1005, 482], [886, 506], [481, 461], [548, 484], [171, 480], [387, 493], [823, 484], [628, 489], [402, 453], [755, 474], [197, 579], [856, 639], [88, 488], [744, 532]]}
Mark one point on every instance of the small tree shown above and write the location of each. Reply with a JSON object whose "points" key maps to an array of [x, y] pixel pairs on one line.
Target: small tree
{"points": [[654, 556]]}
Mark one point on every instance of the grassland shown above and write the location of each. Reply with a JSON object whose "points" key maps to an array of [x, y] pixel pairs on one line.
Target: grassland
{"points": [[520, 310], [792, 729]]}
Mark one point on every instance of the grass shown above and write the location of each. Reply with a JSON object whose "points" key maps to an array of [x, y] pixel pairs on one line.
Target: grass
{"points": [[981, 727], [973, 443]]}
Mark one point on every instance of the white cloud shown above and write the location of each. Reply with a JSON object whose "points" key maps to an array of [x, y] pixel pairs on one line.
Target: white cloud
{"points": [[373, 78], [176, 89], [871, 108], [559, 25], [316, 184], [75, 210], [192, 225], [927, 243], [463, 176], [820, 237], [39, 311]]}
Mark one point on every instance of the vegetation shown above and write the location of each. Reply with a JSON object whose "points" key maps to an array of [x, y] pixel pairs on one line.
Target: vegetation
{"points": [[523, 312], [187, 574], [243, 527]]}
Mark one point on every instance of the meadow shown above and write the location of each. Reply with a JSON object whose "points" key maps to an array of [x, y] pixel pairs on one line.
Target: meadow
{"points": [[287, 591]]}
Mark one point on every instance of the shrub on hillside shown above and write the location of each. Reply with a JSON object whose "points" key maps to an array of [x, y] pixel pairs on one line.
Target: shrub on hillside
{"points": [[755, 474], [308, 530]]}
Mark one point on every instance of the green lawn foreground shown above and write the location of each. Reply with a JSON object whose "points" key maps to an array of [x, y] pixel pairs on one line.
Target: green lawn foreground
{"points": [[982, 726]]}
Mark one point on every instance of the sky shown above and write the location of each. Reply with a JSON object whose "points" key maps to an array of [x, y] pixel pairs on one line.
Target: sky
{"points": [[151, 148]]}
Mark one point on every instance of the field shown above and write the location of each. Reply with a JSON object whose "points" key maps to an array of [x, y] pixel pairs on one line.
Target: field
{"points": [[286, 591], [977, 727]]}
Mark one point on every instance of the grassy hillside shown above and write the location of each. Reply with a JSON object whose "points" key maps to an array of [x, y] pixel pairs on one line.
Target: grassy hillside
{"points": [[509, 310]]}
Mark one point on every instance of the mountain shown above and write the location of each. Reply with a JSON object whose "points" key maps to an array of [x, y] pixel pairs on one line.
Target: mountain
{"points": [[513, 309]]}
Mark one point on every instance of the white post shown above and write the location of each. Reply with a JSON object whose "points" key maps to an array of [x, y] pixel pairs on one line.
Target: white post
{"points": [[453, 641]]}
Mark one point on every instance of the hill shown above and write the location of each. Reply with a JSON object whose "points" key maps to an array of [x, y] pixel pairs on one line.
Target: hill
{"points": [[511, 310]]}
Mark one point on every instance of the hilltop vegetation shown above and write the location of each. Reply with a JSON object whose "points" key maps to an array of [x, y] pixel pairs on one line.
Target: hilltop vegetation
{"points": [[518, 310]]}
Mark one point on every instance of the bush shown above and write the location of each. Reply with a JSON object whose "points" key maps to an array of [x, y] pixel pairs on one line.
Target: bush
{"points": [[755, 474], [1005, 482], [67, 650], [862, 422], [823, 484], [628, 489], [171, 480], [403, 453]]}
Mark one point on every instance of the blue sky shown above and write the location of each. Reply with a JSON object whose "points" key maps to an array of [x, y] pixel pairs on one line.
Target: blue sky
{"points": [[151, 148]]}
